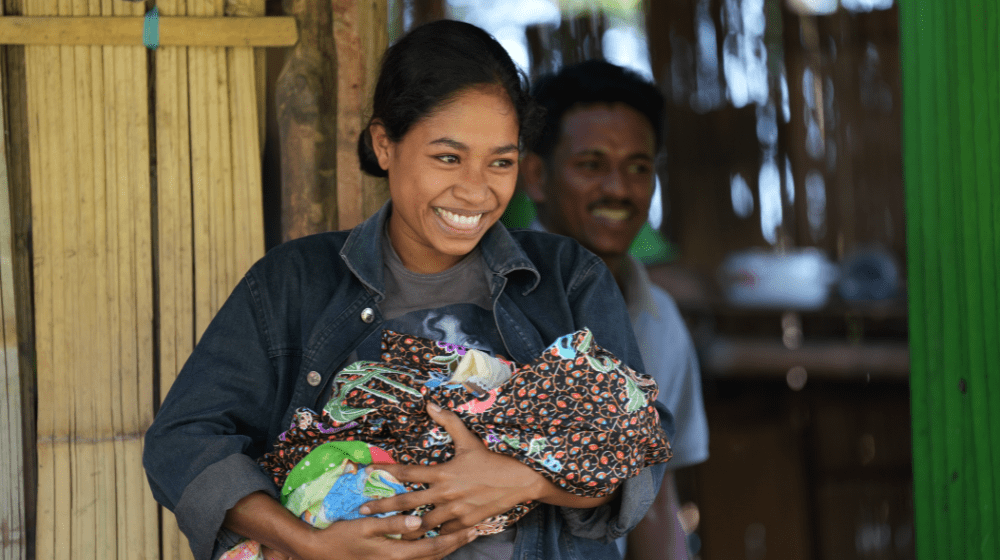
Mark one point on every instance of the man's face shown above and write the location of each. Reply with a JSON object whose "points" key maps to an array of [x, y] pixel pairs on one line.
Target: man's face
{"points": [[598, 183]]}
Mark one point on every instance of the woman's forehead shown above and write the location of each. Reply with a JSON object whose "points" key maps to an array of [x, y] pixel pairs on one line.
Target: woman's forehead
{"points": [[473, 116]]}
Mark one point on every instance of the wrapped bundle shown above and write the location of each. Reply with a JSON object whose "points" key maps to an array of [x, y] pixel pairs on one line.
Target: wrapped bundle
{"points": [[576, 414]]}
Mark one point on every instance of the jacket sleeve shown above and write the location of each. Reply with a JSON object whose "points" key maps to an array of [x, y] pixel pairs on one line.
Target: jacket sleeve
{"points": [[199, 452], [597, 304]]}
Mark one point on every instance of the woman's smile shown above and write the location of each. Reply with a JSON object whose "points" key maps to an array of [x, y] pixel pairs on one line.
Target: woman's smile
{"points": [[465, 223]]}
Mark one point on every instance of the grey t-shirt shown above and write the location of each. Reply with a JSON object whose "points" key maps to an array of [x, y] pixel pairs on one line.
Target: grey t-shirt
{"points": [[451, 306]]}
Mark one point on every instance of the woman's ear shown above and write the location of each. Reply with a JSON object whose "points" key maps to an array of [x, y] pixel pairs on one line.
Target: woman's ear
{"points": [[533, 172], [381, 144]]}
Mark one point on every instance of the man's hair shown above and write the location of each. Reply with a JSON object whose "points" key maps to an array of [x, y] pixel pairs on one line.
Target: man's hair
{"points": [[593, 82]]}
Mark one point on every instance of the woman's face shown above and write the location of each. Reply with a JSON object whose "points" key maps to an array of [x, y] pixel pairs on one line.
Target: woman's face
{"points": [[450, 177]]}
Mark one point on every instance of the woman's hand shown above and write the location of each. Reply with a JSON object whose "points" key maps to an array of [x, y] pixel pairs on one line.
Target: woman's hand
{"points": [[286, 537], [474, 485], [366, 538]]}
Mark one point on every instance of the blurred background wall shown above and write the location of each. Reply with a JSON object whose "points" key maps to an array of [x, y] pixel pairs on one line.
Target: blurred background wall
{"points": [[779, 229]]}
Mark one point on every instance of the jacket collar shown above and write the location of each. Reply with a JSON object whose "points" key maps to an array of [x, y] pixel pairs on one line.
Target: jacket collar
{"points": [[363, 252]]}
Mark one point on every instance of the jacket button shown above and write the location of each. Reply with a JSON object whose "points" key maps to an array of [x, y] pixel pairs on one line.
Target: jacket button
{"points": [[314, 378], [367, 315]]}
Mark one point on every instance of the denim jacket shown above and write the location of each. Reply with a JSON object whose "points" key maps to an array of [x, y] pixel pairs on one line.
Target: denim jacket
{"points": [[291, 325]]}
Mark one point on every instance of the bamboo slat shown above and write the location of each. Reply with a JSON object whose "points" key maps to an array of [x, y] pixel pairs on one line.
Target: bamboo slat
{"points": [[12, 498], [174, 238], [127, 31]]}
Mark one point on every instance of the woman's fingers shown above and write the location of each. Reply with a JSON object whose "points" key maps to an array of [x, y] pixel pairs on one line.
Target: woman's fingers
{"points": [[392, 525], [436, 548], [369, 537], [463, 437], [409, 473], [399, 502]]}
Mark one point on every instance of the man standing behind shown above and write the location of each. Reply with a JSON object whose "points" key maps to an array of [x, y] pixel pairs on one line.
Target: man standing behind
{"points": [[591, 175]]}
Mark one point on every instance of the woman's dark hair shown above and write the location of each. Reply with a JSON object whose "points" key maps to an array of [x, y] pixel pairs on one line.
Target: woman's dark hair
{"points": [[592, 82], [428, 67]]}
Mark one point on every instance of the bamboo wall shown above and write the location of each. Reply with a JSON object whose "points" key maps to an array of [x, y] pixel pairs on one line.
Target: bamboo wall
{"points": [[143, 176], [951, 95], [13, 518], [135, 248]]}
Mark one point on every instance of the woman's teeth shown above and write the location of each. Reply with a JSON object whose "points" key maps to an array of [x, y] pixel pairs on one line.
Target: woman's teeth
{"points": [[611, 214], [459, 221]]}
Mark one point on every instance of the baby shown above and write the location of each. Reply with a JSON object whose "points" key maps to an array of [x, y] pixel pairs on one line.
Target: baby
{"points": [[576, 414]]}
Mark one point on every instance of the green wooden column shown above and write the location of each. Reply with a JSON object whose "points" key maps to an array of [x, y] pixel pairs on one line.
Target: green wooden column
{"points": [[951, 134]]}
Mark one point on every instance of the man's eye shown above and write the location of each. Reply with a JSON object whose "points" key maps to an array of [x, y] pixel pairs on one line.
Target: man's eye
{"points": [[448, 158], [640, 169], [589, 165]]}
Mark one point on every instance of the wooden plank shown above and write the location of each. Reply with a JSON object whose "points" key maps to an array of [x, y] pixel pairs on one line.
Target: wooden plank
{"points": [[276, 31]]}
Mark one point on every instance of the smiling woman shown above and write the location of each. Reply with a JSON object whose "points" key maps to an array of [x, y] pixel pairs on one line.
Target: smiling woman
{"points": [[450, 177], [450, 116]]}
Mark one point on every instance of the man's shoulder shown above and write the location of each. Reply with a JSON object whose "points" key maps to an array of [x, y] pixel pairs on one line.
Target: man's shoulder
{"points": [[664, 323], [544, 248]]}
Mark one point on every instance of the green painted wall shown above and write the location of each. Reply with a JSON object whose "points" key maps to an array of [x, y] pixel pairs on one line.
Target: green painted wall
{"points": [[951, 135]]}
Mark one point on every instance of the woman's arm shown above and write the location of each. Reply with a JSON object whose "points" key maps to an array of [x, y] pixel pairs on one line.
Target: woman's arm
{"points": [[474, 485], [284, 536]]}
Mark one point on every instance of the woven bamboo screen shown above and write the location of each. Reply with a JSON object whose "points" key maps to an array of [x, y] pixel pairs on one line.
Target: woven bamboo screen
{"points": [[951, 94], [13, 529], [128, 237]]}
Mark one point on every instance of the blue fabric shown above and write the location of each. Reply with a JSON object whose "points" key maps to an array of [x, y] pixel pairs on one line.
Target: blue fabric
{"points": [[348, 494], [298, 310], [151, 29]]}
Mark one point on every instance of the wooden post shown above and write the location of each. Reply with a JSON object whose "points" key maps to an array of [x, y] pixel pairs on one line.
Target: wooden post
{"points": [[306, 103], [322, 100], [361, 34]]}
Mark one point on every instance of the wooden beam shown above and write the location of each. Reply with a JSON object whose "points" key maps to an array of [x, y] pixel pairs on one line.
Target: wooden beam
{"points": [[128, 31], [730, 357]]}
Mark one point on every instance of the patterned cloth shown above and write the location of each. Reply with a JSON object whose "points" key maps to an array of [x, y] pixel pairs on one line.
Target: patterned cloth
{"points": [[326, 486], [576, 414]]}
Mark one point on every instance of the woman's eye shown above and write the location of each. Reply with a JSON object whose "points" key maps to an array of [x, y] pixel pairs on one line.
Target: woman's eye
{"points": [[448, 158], [503, 163]]}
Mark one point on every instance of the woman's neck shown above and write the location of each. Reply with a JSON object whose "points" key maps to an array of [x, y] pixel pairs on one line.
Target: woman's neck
{"points": [[416, 256]]}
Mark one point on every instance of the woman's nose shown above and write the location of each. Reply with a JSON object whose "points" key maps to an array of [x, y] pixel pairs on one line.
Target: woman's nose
{"points": [[474, 187]]}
